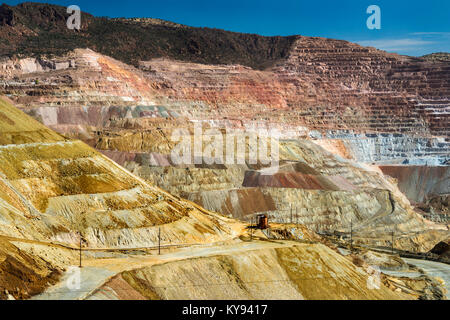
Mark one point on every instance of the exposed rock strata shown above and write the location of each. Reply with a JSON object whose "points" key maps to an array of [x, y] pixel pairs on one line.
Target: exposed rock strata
{"points": [[295, 273], [420, 183], [65, 187]]}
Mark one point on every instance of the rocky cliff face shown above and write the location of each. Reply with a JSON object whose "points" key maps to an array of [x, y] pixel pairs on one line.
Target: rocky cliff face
{"points": [[56, 193], [420, 183], [346, 115], [384, 108], [130, 115], [65, 187]]}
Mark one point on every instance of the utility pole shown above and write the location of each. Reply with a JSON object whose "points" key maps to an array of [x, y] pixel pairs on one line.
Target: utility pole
{"points": [[80, 251], [291, 213], [159, 241], [251, 229], [392, 242], [351, 235]]}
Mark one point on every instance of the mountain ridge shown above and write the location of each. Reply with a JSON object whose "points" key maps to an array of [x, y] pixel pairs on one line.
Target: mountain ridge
{"points": [[35, 29], [437, 56]]}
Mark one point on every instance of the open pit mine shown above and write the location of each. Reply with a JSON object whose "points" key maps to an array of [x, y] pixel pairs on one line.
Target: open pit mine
{"points": [[357, 208]]}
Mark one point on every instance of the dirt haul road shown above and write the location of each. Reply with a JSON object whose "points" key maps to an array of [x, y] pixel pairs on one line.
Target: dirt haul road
{"points": [[96, 272], [434, 269]]}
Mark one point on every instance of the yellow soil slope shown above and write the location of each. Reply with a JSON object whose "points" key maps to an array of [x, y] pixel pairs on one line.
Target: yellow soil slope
{"points": [[16, 128], [300, 272], [64, 187]]}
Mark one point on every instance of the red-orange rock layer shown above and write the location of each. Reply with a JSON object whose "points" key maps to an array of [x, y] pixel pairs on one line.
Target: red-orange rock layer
{"points": [[420, 182], [296, 180]]}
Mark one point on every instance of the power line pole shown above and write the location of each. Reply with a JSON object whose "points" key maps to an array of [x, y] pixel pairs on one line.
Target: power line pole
{"points": [[392, 242], [251, 229], [80, 250], [159, 241], [291, 213], [351, 235]]}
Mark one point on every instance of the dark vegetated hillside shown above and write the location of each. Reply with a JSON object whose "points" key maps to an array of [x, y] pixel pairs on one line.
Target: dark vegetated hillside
{"points": [[33, 29], [438, 56]]}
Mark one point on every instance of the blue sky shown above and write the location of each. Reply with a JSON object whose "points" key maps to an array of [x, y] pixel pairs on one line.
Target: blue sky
{"points": [[412, 27]]}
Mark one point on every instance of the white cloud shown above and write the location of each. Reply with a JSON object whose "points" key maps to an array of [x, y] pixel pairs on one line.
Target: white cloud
{"points": [[403, 45], [443, 34]]}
